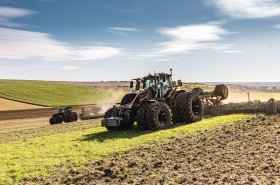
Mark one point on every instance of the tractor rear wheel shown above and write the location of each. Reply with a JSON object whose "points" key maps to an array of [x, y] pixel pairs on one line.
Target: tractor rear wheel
{"points": [[190, 107], [158, 116], [141, 116]]}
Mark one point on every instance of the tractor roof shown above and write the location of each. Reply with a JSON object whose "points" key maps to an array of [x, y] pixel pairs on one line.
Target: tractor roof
{"points": [[153, 75]]}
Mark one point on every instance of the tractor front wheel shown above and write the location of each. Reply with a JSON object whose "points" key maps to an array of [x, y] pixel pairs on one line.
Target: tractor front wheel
{"points": [[141, 116], [158, 116], [56, 119]]}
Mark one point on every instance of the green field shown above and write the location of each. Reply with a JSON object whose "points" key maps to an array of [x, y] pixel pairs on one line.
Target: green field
{"points": [[56, 94], [39, 156]]}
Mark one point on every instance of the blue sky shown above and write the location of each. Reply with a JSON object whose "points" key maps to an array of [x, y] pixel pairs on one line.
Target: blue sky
{"points": [[93, 40]]}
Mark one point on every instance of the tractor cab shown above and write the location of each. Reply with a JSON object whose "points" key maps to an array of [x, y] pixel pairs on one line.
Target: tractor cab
{"points": [[66, 110], [160, 83]]}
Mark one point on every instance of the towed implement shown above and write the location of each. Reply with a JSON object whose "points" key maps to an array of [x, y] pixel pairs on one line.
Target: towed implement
{"points": [[156, 102]]}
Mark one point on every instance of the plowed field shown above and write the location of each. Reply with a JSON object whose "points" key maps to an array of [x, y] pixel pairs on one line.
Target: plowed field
{"points": [[245, 152]]}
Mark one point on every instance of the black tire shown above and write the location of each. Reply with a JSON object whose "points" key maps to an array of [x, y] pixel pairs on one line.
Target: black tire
{"points": [[127, 123], [141, 116], [158, 116], [191, 108], [57, 119], [222, 91], [198, 91], [51, 120], [177, 118], [75, 116]]}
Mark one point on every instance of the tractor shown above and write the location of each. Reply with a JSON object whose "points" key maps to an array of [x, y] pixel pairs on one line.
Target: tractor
{"points": [[156, 102], [65, 114]]}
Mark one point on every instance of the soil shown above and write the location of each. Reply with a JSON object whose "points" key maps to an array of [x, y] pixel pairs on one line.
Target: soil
{"points": [[43, 112], [245, 152], [14, 105]]}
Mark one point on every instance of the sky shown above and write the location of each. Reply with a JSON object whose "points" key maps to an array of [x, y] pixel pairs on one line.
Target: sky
{"points": [[95, 40]]}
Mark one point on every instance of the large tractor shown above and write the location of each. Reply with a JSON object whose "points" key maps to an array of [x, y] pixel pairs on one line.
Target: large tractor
{"points": [[65, 114], [157, 101]]}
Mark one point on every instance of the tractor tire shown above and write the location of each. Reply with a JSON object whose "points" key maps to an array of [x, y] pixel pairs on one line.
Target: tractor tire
{"points": [[222, 91], [177, 118], [57, 119], [158, 116], [51, 121], [198, 91], [191, 107], [127, 123], [141, 116], [75, 116]]}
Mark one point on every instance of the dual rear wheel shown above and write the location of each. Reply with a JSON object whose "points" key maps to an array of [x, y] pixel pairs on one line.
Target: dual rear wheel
{"points": [[154, 116]]}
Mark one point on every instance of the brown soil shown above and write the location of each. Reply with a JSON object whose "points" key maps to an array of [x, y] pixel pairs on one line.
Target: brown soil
{"points": [[14, 105], [246, 152], [42, 112]]}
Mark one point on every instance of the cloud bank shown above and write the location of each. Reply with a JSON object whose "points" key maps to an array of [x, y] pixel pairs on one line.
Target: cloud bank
{"points": [[185, 39], [21, 44], [9, 13], [247, 9]]}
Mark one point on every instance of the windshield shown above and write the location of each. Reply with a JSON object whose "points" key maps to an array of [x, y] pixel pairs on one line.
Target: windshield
{"points": [[167, 83], [149, 83]]}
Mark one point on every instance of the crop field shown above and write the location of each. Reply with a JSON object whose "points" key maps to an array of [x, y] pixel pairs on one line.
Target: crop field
{"points": [[237, 148], [57, 94], [244, 152], [41, 152]]}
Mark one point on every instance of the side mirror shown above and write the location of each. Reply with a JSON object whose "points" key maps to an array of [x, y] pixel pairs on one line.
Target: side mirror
{"points": [[131, 84], [137, 85]]}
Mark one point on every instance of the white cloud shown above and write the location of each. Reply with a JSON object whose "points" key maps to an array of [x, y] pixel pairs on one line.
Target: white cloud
{"points": [[123, 31], [276, 26], [70, 68], [20, 44], [9, 13], [247, 9], [185, 39]]}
